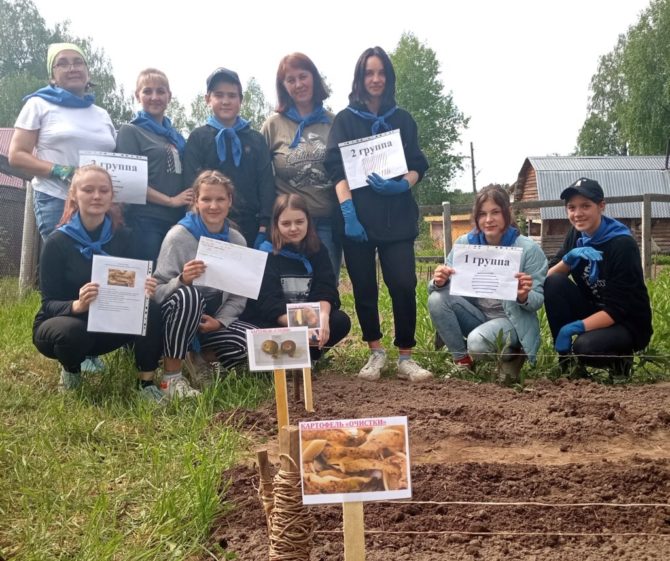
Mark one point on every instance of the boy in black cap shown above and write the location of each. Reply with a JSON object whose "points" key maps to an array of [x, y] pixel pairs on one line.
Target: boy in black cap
{"points": [[607, 305], [228, 144]]}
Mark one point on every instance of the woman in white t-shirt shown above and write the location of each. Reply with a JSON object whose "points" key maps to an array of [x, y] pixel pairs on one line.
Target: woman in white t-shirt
{"points": [[54, 125]]}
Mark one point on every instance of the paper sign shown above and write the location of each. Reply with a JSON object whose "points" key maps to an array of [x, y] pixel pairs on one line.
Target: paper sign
{"points": [[485, 271], [122, 304], [382, 153], [305, 314], [354, 460], [278, 348], [129, 174], [230, 267]]}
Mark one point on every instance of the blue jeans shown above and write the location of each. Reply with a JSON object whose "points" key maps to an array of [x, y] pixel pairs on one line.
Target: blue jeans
{"points": [[324, 229], [48, 212], [465, 330]]}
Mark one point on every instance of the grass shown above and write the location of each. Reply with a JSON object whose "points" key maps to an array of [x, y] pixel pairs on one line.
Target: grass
{"points": [[99, 474]]}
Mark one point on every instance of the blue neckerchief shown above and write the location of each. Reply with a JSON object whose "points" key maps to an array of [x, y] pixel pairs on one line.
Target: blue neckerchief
{"points": [[59, 96], [609, 228], [87, 247], [194, 224], [317, 116], [164, 129], [231, 132], [268, 247], [379, 123], [476, 237]]}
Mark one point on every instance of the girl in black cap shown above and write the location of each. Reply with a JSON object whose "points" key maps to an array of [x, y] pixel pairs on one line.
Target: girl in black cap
{"points": [[607, 305]]}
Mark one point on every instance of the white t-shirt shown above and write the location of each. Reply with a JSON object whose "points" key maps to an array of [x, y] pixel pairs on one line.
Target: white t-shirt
{"points": [[63, 131]]}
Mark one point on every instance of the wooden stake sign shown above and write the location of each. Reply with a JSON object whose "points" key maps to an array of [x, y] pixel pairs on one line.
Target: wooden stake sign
{"points": [[281, 398], [354, 531]]}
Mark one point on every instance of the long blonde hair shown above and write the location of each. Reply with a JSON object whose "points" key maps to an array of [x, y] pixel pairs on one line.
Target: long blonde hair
{"points": [[71, 205]]}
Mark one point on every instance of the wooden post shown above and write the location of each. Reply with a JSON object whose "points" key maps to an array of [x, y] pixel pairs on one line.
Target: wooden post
{"points": [[295, 375], [446, 228], [266, 488], [354, 531], [289, 447], [646, 235], [281, 398], [30, 245], [307, 386]]}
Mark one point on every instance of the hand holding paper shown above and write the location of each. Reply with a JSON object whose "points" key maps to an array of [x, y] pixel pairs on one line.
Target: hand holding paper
{"points": [[387, 187], [87, 294], [192, 270], [150, 286], [441, 275], [525, 286]]}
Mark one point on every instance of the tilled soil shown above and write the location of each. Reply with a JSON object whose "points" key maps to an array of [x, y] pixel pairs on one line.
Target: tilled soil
{"points": [[539, 452]]}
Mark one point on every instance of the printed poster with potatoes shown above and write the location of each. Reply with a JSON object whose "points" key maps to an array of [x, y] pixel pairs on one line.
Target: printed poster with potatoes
{"points": [[354, 460], [122, 304], [382, 153], [278, 348], [485, 271], [305, 314]]}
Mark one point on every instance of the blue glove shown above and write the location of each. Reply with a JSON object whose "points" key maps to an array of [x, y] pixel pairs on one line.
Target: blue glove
{"points": [[574, 256], [260, 238], [563, 342], [387, 186], [353, 229]]}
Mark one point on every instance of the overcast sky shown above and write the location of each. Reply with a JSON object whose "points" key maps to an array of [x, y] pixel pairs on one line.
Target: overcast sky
{"points": [[519, 68]]}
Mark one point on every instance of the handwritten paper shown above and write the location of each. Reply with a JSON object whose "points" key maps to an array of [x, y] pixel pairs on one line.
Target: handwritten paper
{"points": [[230, 267]]}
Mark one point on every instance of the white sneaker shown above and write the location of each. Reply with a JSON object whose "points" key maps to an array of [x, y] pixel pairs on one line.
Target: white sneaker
{"points": [[177, 386], [373, 367], [410, 370]]}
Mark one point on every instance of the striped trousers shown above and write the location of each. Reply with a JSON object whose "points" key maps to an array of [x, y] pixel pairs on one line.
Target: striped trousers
{"points": [[181, 317]]}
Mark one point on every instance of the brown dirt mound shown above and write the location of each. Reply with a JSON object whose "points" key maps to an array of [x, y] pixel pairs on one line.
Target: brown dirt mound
{"points": [[554, 442]]}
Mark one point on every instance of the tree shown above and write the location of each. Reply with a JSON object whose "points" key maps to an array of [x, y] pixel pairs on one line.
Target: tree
{"points": [[24, 38], [255, 108], [420, 91], [199, 111], [629, 107]]}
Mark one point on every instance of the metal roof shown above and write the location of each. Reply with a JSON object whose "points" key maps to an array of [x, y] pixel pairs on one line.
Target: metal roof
{"points": [[618, 175], [5, 139]]}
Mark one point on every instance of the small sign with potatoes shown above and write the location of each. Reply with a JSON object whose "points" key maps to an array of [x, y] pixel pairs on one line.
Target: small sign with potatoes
{"points": [[354, 460], [278, 348], [306, 314]]}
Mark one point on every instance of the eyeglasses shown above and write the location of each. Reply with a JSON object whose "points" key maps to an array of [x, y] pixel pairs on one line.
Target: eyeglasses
{"points": [[65, 65]]}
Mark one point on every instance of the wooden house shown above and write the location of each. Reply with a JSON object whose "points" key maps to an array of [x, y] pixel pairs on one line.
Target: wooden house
{"points": [[544, 178]]}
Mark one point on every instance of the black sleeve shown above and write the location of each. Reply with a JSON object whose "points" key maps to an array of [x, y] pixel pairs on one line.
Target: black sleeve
{"points": [[271, 302], [324, 286], [266, 182], [194, 157], [416, 159], [624, 290], [57, 294]]}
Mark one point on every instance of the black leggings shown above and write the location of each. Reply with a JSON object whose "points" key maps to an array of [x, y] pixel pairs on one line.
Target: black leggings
{"points": [[66, 339], [398, 269], [339, 325], [565, 303]]}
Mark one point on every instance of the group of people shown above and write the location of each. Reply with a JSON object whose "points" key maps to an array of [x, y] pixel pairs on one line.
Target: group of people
{"points": [[284, 190]]}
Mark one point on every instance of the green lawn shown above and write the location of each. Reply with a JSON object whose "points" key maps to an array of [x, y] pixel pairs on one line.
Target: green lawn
{"points": [[100, 474]]}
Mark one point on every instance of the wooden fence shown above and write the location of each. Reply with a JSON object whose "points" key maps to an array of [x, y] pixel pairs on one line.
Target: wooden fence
{"points": [[447, 209]]}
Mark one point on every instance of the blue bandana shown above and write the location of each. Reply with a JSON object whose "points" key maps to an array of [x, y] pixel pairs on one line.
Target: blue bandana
{"points": [[476, 237], [87, 247], [609, 228], [317, 116], [230, 132], [59, 96], [379, 123], [194, 224], [267, 246], [164, 129]]}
